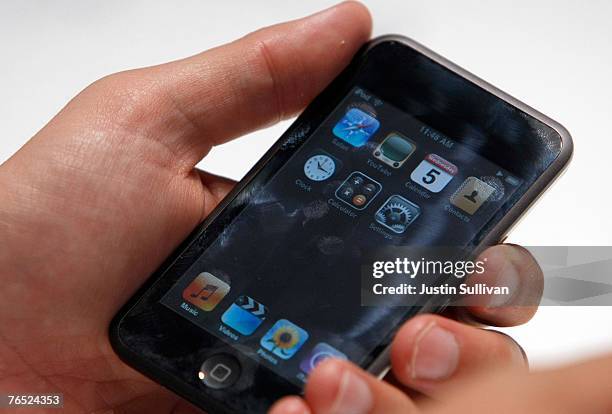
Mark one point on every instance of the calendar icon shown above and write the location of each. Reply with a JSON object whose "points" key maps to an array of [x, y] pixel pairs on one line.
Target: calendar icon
{"points": [[433, 173]]}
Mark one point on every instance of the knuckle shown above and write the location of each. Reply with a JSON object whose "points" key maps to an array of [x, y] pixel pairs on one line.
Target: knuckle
{"points": [[283, 78], [126, 98], [133, 107], [264, 57]]}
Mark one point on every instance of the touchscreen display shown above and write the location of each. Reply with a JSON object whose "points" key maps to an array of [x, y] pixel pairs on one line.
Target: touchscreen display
{"points": [[281, 283]]}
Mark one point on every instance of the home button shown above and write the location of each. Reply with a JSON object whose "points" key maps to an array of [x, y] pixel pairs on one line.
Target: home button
{"points": [[219, 371]]}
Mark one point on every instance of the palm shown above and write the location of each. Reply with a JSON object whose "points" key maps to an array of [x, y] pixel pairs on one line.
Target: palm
{"points": [[104, 217]]}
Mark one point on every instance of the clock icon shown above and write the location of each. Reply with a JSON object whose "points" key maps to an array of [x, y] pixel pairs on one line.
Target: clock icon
{"points": [[319, 167]]}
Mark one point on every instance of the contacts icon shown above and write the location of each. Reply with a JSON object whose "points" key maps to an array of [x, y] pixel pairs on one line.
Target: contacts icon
{"points": [[471, 195]]}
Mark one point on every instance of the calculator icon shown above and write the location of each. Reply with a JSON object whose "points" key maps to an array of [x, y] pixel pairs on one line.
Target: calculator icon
{"points": [[358, 190]]}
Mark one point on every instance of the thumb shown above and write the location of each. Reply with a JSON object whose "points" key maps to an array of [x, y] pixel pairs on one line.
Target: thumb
{"points": [[187, 106]]}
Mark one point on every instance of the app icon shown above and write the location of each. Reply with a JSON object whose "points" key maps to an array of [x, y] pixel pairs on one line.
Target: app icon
{"points": [[245, 315], [206, 291], [284, 339], [394, 150], [397, 214], [433, 173], [319, 353], [319, 167], [358, 190], [471, 195], [356, 127]]}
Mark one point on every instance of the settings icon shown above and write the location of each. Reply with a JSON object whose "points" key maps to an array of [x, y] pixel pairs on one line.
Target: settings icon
{"points": [[397, 214]]}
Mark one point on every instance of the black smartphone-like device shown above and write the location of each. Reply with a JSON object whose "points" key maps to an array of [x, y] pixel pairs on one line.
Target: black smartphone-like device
{"points": [[404, 148]]}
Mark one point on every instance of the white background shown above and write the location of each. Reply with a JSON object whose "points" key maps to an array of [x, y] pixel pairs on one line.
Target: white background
{"points": [[554, 55]]}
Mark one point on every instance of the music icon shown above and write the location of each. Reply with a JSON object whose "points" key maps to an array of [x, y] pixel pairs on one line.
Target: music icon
{"points": [[206, 291]]}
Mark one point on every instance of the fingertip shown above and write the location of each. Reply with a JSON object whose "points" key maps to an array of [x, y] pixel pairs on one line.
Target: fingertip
{"points": [[290, 405], [303, 56], [323, 383], [350, 20], [337, 386], [514, 267], [347, 25], [359, 14]]}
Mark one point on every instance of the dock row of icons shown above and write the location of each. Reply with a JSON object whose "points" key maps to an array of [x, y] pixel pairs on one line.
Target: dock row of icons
{"points": [[245, 315]]}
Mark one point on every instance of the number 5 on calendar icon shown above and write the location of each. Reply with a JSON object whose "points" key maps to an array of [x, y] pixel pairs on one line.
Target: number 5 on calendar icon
{"points": [[433, 173]]}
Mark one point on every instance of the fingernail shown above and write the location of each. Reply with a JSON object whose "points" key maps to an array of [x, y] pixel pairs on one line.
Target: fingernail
{"points": [[354, 395], [435, 355]]}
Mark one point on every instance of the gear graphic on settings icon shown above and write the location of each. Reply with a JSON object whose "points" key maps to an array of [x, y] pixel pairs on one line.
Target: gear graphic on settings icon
{"points": [[397, 214]]}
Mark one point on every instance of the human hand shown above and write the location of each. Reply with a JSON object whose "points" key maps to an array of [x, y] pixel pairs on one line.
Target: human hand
{"points": [[583, 388], [103, 193], [434, 354]]}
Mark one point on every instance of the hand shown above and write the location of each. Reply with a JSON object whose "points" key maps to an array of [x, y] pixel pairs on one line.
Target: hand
{"points": [[432, 354], [584, 388], [92, 205]]}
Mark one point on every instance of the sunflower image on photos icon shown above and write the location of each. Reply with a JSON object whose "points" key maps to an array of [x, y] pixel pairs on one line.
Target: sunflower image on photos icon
{"points": [[284, 339]]}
